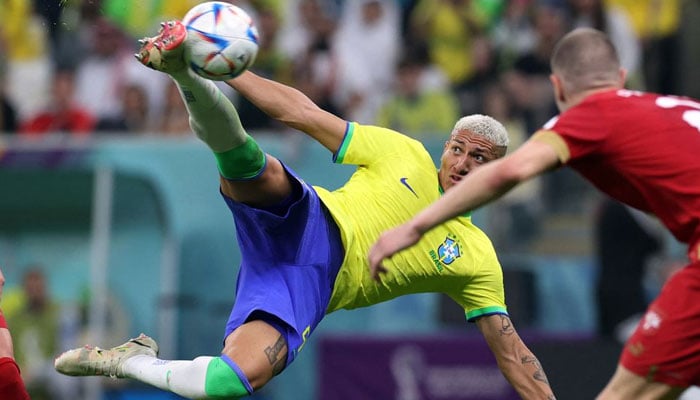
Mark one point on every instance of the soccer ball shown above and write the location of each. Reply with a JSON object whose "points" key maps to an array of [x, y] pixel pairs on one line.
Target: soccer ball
{"points": [[222, 40]]}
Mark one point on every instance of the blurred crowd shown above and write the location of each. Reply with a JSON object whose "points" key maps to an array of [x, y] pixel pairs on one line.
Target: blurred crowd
{"points": [[43, 327], [412, 65]]}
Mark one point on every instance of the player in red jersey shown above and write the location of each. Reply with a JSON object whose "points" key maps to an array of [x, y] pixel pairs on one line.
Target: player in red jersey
{"points": [[11, 384], [640, 148]]}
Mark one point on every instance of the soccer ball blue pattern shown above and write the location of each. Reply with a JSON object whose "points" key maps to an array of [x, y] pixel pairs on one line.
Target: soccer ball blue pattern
{"points": [[222, 40]]}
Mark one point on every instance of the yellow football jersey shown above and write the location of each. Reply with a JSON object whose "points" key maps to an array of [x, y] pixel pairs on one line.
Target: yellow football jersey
{"points": [[395, 179]]}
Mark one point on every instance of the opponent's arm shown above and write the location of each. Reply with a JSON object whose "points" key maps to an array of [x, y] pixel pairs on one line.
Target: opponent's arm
{"points": [[291, 107], [482, 185], [517, 363]]}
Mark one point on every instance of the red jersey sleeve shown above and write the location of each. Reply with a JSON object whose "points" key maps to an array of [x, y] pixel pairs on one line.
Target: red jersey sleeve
{"points": [[582, 129]]}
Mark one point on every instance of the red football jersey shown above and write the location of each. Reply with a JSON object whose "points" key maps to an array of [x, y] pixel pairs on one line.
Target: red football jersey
{"points": [[640, 148]]}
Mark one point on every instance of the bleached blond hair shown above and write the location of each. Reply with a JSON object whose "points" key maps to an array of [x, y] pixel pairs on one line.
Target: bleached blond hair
{"points": [[485, 126]]}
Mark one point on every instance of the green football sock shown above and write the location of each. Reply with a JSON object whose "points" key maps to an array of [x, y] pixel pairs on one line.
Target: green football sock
{"points": [[213, 118], [223, 382], [215, 121], [243, 162]]}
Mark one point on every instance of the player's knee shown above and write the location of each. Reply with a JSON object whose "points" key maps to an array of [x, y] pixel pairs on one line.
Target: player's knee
{"points": [[225, 380]]}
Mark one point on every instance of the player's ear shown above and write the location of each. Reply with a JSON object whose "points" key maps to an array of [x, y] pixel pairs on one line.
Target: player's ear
{"points": [[622, 77], [559, 94]]}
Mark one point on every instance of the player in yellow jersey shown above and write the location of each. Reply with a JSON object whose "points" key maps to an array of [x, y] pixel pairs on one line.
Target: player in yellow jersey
{"points": [[395, 178], [304, 249]]}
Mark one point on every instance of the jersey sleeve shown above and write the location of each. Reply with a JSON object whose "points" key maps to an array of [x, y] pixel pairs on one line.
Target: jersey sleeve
{"points": [[555, 141], [478, 276], [577, 132], [366, 144], [484, 295]]}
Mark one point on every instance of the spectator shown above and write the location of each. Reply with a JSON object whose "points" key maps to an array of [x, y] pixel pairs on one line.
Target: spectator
{"points": [[50, 12], [656, 24], [37, 333], [134, 116], [26, 52], [412, 108], [527, 82], [615, 22], [8, 116], [270, 63], [315, 64], [299, 28], [62, 115], [449, 29], [100, 75], [367, 45], [175, 121], [107, 69], [74, 33], [514, 34]]}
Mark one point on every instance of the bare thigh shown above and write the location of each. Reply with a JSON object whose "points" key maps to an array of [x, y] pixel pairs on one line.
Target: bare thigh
{"points": [[269, 189], [258, 349], [626, 385]]}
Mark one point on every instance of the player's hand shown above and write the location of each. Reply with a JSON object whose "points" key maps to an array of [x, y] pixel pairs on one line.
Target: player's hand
{"points": [[388, 244]]}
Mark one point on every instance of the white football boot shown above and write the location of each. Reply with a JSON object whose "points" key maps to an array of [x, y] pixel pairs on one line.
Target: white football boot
{"points": [[94, 361]]}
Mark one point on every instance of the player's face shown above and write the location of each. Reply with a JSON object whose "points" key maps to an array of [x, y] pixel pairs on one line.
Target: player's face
{"points": [[463, 152]]}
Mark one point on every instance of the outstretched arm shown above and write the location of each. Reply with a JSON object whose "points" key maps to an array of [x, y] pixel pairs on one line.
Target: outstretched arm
{"points": [[291, 107], [517, 363], [481, 186]]}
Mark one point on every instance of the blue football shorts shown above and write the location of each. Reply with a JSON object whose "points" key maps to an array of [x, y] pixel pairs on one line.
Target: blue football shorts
{"points": [[291, 255]]}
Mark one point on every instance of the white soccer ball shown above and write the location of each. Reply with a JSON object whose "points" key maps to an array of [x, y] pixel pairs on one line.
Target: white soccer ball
{"points": [[222, 40]]}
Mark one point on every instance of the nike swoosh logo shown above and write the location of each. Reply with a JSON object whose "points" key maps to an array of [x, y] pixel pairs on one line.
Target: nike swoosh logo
{"points": [[405, 183]]}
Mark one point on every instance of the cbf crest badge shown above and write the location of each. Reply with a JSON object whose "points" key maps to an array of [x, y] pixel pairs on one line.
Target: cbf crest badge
{"points": [[446, 253]]}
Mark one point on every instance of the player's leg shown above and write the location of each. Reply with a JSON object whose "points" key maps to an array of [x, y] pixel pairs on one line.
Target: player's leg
{"points": [[11, 384], [253, 354], [259, 349], [251, 176], [626, 385], [662, 357]]}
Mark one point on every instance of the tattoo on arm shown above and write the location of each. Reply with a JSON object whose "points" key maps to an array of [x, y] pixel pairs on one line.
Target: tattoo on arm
{"points": [[275, 355], [539, 374], [506, 326]]}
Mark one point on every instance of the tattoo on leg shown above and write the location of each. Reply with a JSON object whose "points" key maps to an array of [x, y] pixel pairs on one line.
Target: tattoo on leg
{"points": [[506, 326], [279, 366], [539, 374], [273, 352]]}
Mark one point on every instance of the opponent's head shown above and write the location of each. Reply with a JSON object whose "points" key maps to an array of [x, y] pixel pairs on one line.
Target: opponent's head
{"points": [[475, 140], [584, 60]]}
